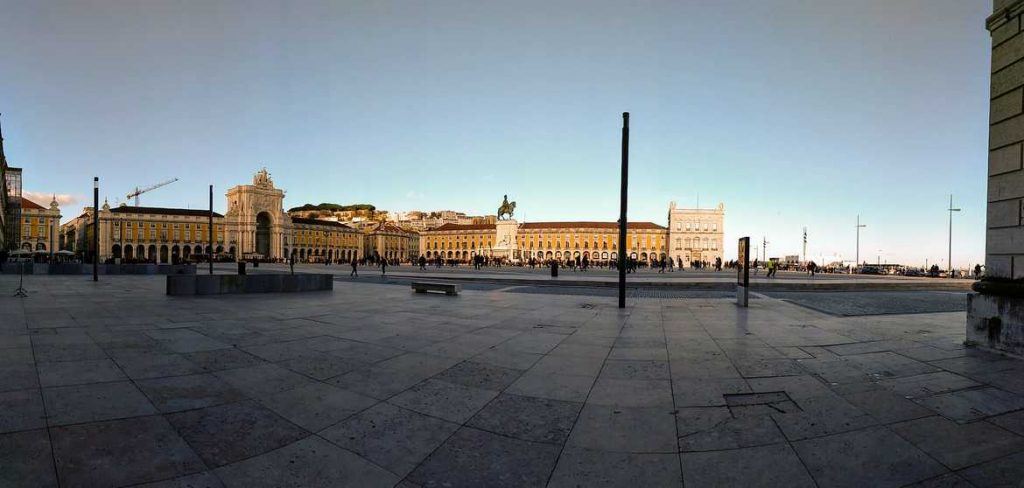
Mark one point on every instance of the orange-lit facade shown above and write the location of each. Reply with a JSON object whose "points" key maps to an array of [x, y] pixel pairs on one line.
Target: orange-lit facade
{"points": [[597, 241]]}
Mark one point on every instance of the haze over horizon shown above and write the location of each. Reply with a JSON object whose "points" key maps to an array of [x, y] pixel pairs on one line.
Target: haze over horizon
{"points": [[791, 113]]}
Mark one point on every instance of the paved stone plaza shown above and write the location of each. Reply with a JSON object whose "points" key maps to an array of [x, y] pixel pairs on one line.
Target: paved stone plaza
{"points": [[115, 384]]}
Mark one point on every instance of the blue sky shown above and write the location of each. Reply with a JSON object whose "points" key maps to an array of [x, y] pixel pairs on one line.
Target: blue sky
{"points": [[792, 113]]}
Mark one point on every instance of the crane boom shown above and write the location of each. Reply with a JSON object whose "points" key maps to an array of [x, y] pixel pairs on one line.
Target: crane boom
{"points": [[135, 194]]}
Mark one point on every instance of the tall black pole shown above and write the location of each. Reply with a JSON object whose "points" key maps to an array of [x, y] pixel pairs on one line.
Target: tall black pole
{"points": [[211, 229], [95, 228], [622, 210]]}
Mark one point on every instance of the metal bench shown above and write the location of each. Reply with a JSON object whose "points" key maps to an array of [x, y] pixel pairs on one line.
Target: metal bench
{"points": [[451, 289]]}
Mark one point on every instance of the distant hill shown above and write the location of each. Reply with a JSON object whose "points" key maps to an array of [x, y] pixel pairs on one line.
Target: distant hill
{"points": [[333, 207]]}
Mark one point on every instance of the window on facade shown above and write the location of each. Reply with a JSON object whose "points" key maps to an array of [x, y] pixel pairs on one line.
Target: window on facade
{"points": [[687, 226], [714, 227]]}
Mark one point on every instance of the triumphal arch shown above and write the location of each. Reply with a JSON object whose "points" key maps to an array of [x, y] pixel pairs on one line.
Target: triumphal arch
{"points": [[256, 221]]}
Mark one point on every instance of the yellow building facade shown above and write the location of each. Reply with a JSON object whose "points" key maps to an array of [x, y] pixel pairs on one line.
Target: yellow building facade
{"points": [[542, 241], [320, 240], [40, 226]]}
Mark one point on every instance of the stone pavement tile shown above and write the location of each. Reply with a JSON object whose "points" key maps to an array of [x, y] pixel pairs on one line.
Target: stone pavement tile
{"points": [[68, 352], [321, 366], [79, 372], [228, 433], [822, 415], [728, 433], [455, 403], [887, 364], [121, 452], [794, 352], [869, 346], [392, 437], [316, 406], [834, 370], [797, 387], [767, 466], [528, 418], [25, 459], [205, 479], [508, 358], [144, 365], [625, 429], [582, 467], [1012, 380], [886, 406], [572, 365], [655, 353], [698, 392], [99, 401], [580, 350], [370, 353], [761, 368], [16, 355], [924, 352], [278, 351], [19, 376], [262, 380], [21, 410], [959, 445], [311, 462], [928, 384], [535, 342], [635, 370], [693, 420], [570, 388], [1006, 471], [472, 458], [868, 457], [221, 359], [1013, 422], [176, 393], [968, 405], [185, 340], [379, 382], [977, 362], [949, 480], [717, 368], [631, 393], [480, 375]]}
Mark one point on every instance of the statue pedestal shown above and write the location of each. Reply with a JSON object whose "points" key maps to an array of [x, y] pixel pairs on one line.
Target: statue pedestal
{"points": [[505, 240]]}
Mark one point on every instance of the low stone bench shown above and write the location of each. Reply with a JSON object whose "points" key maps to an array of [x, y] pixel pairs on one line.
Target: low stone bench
{"points": [[254, 283], [450, 289]]}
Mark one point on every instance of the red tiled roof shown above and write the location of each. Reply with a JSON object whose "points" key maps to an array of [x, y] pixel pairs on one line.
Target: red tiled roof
{"points": [[386, 227], [163, 211], [590, 225], [450, 227], [298, 220], [26, 203]]}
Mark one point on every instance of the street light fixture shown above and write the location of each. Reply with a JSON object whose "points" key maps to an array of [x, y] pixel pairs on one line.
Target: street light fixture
{"points": [[857, 255], [949, 261]]}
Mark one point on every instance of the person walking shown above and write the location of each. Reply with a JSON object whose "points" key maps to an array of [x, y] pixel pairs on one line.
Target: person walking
{"points": [[354, 272], [383, 267]]}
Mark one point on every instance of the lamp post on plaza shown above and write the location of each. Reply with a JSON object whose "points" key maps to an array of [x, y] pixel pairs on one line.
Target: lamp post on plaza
{"points": [[859, 226], [949, 261], [96, 228], [211, 229], [622, 209]]}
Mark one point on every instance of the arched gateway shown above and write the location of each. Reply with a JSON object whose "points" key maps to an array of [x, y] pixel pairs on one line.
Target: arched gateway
{"points": [[255, 222]]}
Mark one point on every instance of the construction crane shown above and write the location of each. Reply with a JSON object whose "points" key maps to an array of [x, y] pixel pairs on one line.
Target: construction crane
{"points": [[135, 194]]}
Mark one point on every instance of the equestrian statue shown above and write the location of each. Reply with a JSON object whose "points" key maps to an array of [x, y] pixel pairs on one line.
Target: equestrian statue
{"points": [[506, 208]]}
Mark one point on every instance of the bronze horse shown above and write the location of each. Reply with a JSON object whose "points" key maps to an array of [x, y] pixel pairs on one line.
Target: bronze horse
{"points": [[506, 208]]}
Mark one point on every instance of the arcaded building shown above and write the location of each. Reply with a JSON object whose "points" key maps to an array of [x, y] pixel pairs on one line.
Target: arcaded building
{"points": [[255, 227], [596, 241]]}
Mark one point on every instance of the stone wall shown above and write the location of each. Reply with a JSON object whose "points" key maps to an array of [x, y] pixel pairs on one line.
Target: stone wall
{"points": [[1004, 250]]}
